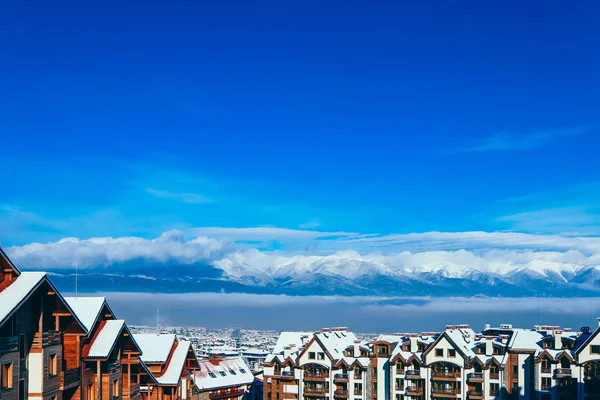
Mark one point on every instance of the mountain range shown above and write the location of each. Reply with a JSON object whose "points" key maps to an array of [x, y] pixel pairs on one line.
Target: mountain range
{"points": [[333, 276]]}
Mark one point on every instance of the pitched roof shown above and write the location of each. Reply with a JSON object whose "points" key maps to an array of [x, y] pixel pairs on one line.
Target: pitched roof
{"points": [[105, 341], [155, 348], [87, 309], [17, 293], [216, 374], [172, 373], [4, 259], [291, 338]]}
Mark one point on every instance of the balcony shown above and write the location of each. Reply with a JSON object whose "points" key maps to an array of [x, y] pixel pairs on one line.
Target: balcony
{"points": [[341, 394], [358, 392], [45, 339], [314, 391], [494, 393], [475, 377], [445, 391], [226, 394], [70, 378], [315, 376], [415, 390], [546, 387], [9, 344], [494, 375], [475, 394], [134, 391], [287, 376], [340, 378], [413, 374], [562, 373], [545, 370], [438, 374]]}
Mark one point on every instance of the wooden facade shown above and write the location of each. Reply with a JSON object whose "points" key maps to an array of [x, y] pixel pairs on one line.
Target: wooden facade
{"points": [[44, 344]]}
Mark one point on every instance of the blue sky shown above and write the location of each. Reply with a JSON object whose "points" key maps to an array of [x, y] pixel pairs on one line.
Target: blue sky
{"points": [[134, 119]]}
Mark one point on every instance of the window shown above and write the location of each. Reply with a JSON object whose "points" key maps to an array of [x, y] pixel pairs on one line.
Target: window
{"points": [[399, 383], [242, 370], [321, 356], [479, 349], [494, 389], [222, 373], [546, 383], [311, 355], [52, 366], [7, 376], [439, 352], [451, 353], [212, 375], [374, 371], [421, 347], [358, 388], [595, 349], [357, 374], [115, 389]]}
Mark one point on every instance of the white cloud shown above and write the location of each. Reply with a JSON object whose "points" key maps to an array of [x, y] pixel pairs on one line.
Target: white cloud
{"points": [[341, 254], [189, 198]]}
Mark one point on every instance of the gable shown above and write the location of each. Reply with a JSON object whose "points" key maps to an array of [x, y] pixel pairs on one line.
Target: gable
{"points": [[314, 353], [444, 350], [8, 270], [587, 351]]}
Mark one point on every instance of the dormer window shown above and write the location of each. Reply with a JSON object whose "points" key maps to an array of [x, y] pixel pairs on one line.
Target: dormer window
{"points": [[223, 373], [212, 374]]}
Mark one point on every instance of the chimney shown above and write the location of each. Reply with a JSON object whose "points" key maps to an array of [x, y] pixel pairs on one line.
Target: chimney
{"points": [[489, 346], [557, 340], [413, 343], [357, 348], [487, 327]]}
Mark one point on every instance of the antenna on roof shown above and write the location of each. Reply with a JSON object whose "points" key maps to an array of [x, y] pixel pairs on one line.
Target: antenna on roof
{"points": [[76, 278]]}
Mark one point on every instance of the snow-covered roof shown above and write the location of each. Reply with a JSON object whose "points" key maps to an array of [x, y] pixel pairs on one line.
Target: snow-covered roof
{"points": [[87, 309], [19, 291], [172, 373], [155, 348], [298, 339], [526, 339], [105, 340], [227, 372], [335, 342]]}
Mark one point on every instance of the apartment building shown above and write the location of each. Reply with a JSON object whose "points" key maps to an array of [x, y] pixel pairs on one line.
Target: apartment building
{"points": [[74, 348], [330, 364], [542, 363]]}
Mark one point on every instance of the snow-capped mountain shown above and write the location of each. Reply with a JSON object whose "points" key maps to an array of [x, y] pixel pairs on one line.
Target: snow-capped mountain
{"points": [[342, 274]]}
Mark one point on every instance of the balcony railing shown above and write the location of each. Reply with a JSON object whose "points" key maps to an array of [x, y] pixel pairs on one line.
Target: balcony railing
{"points": [[358, 392], [287, 375], [446, 374], [134, 391], [562, 372], [413, 374], [414, 390], [494, 375], [545, 370], [226, 394], [9, 344], [515, 375], [314, 391], [494, 392], [475, 377], [43, 339], [475, 394], [546, 387], [316, 375], [443, 390], [70, 378], [343, 394], [340, 378]]}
